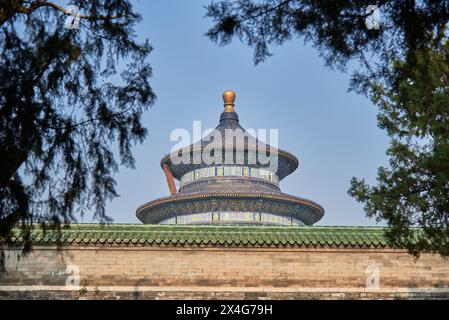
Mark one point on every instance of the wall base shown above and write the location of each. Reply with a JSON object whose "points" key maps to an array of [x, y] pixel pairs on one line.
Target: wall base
{"points": [[193, 293]]}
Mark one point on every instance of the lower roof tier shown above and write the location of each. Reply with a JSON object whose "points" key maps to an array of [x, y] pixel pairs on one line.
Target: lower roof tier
{"points": [[274, 203]]}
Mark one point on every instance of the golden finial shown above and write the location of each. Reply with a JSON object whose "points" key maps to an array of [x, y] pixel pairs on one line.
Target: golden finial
{"points": [[228, 99]]}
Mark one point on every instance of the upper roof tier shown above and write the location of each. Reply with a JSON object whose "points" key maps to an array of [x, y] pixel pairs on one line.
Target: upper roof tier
{"points": [[244, 151]]}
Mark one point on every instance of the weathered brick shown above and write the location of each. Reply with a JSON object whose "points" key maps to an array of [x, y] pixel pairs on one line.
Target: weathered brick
{"points": [[224, 267]]}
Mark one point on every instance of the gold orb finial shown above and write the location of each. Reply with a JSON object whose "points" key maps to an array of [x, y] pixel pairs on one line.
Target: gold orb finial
{"points": [[228, 100]]}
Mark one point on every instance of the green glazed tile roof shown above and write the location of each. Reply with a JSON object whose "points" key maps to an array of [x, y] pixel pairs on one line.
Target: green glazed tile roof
{"points": [[229, 236]]}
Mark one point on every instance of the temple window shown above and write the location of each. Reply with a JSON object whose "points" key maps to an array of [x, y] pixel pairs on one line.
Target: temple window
{"points": [[233, 217], [229, 171]]}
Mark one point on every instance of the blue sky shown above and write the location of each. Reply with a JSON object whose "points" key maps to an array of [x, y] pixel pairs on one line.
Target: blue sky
{"points": [[332, 132]]}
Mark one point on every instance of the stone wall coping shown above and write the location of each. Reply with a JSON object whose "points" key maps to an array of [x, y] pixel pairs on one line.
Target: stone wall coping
{"points": [[132, 235]]}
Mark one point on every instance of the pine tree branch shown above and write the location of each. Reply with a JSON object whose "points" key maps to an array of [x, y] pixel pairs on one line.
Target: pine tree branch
{"points": [[5, 14]]}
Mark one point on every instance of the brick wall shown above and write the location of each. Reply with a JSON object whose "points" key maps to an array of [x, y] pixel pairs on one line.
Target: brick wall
{"points": [[242, 272]]}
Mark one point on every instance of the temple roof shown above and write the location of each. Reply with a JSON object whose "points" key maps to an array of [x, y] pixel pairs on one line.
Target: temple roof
{"points": [[277, 203], [222, 236], [287, 163]]}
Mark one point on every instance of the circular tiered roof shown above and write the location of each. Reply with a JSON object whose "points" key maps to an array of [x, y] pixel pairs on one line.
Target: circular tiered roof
{"points": [[237, 192]]}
